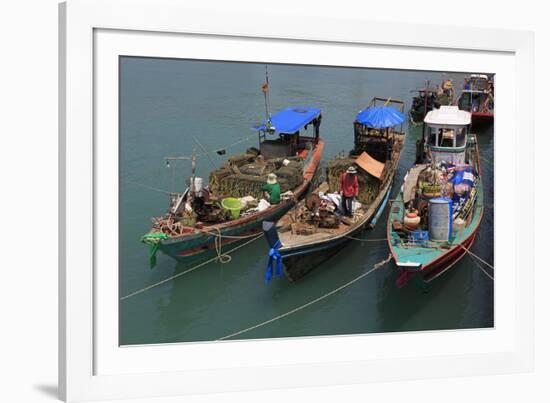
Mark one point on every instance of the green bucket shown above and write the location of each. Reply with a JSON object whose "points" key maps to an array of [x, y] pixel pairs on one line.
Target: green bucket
{"points": [[233, 205]]}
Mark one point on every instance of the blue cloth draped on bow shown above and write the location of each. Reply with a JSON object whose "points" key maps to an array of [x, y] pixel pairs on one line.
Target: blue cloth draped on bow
{"points": [[274, 262]]}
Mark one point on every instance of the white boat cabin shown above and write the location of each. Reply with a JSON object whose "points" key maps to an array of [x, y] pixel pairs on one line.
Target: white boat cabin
{"points": [[446, 131]]}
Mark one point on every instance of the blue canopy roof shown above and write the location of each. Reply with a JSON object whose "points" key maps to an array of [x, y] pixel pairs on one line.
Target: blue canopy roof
{"points": [[290, 120], [380, 117]]}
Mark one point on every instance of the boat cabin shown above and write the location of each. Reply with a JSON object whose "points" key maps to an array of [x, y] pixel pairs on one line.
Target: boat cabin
{"points": [[279, 136], [446, 131], [375, 126], [477, 82], [477, 95]]}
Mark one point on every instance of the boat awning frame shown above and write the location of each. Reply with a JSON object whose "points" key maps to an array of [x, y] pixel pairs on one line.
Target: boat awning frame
{"points": [[290, 120]]}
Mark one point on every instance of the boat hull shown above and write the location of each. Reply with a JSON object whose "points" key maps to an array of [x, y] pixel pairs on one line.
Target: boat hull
{"points": [[428, 263], [482, 119], [200, 244], [299, 260]]}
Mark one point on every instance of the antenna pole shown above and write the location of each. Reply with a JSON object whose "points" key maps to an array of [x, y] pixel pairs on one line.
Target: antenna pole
{"points": [[265, 90]]}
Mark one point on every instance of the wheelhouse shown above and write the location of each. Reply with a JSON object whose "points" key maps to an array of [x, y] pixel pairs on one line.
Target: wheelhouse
{"points": [[446, 133], [279, 136], [478, 82], [374, 128]]}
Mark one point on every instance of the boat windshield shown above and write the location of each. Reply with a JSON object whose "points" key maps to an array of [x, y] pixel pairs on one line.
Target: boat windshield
{"points": [[447, 137]]}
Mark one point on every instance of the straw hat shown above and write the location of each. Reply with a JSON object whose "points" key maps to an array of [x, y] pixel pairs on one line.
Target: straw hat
{"points": [[351, 170], [271, 178]]}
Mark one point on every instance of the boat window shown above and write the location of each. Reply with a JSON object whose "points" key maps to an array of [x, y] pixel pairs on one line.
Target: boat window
{"points": [[446, 137], [432, 139], [460, 137]]}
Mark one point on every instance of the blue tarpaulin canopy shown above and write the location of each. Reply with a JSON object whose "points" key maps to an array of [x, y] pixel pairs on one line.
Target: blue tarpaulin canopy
{"points": [[290, 120], [380, 117]]}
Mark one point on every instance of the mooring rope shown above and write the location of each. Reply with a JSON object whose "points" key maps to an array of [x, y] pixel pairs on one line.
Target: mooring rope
{"points": [[476, 256], [188, 270], [366, 240], [483, 270], [207, 152], [148, 187], [322, 297]]}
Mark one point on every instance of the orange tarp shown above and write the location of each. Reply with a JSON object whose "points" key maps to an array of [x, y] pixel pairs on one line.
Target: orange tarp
{"points": [[370, 165]]}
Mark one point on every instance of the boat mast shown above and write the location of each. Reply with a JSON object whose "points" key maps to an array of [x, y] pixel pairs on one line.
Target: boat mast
{"points": [[265, 90], [193, 159]]}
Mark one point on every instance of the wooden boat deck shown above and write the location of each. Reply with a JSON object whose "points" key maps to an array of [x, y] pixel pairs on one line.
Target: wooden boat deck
{"points": [[288, 239], [361, 216]]}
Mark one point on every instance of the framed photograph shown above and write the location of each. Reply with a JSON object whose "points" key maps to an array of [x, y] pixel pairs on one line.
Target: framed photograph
{"points": [[249, 206]]}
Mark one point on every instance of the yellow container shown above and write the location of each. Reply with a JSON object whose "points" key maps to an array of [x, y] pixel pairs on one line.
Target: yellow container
{"points": [[232, 205]]}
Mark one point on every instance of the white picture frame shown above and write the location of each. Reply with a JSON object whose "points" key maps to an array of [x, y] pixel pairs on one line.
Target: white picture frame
{"points": [[92, 366]]}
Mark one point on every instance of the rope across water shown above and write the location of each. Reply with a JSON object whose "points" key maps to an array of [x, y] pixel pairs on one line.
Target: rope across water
{"points": [[215, 258], [322, 297]]}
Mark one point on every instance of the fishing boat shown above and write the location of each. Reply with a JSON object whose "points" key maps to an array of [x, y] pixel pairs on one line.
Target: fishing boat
{"points": [[315, 228], [434, 219], [477, 97], [428, 98], [204, 220]]}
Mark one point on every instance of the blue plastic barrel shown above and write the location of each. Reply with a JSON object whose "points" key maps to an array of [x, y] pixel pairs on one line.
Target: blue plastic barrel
{"points": [[440, 219]]}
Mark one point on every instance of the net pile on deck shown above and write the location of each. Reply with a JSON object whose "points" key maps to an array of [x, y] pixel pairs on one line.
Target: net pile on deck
{"points": [[245, 175], [368, 184]]}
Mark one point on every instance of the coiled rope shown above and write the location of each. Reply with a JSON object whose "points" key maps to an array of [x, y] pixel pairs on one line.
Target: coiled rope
{"points": [[188, 270], [322, 297], [221, 257]]}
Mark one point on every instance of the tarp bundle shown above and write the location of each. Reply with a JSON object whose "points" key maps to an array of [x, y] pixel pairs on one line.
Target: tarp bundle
{"points": [[369, 185], [290, 120], [380, 117]]}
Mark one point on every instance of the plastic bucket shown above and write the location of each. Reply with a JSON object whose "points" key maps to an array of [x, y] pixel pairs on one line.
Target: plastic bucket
{"points": [[233, 205], [198, 184]]}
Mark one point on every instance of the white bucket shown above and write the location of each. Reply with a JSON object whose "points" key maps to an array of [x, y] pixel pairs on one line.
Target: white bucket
{"points": [[198, 184]]}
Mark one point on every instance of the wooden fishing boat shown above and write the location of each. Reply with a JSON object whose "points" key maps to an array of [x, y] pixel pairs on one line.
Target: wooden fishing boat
{"points": [[315, 229], [435, 218], [429, 98], [197, 226], [477, 97]]}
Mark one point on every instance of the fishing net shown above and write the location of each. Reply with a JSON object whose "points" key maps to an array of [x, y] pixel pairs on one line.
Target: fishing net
{"points": [[241, 177]]}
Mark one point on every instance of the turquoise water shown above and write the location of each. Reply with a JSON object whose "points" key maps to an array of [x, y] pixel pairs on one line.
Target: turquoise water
{"points": [[164, 103]]}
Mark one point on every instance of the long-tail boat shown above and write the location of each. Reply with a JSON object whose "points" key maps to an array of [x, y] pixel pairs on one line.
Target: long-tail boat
{"points": [[315, 229], [477, 97], [435, 218], [197, 222]]}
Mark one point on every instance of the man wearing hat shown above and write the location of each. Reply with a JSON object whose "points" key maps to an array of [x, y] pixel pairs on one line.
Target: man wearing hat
{"points": [[349, 188], [272, 189]]}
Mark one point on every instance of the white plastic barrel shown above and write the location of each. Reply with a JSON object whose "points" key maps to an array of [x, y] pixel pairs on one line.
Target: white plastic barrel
{"points": [[440, 219]]}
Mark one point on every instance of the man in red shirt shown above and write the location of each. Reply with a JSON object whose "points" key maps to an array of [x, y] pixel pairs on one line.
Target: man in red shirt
{"points": [[349, 188]]}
